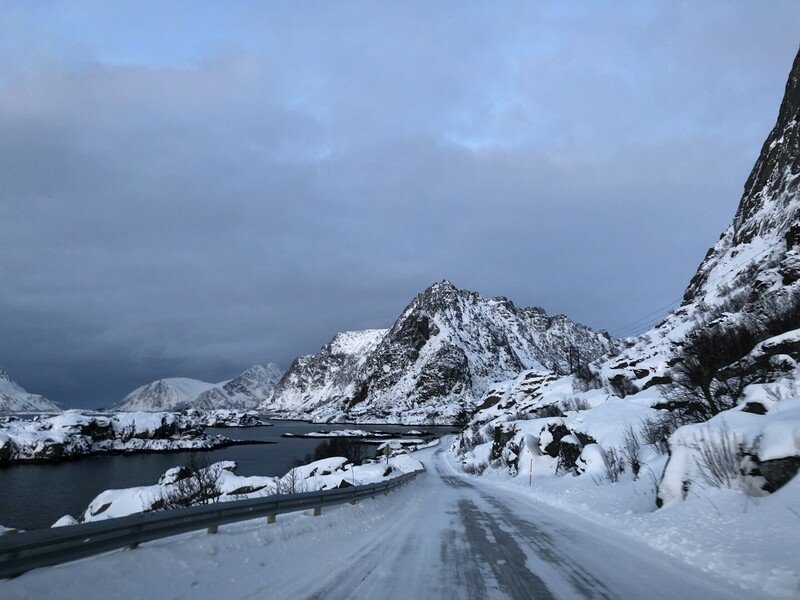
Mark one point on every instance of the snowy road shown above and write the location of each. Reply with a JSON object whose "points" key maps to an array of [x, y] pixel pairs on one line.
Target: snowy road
{"points": [[445, 535]]}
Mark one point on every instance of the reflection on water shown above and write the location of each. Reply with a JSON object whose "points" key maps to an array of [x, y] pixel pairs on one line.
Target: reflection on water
{"points": [[34, 496]]}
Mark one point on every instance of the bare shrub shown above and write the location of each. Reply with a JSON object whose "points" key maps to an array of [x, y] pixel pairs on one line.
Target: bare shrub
{"points": [[718, 456], [292, 483], [475, 468], [575, 404], [780, 316], [200, 486], [631, 447], [463, 417], [586, 378], [614, 467], [710, 376], [622, 386], [473, 437], [655, 431], [696, 389]]}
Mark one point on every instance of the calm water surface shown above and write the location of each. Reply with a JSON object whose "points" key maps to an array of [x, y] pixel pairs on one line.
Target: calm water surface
{"points": [[34, 496]]}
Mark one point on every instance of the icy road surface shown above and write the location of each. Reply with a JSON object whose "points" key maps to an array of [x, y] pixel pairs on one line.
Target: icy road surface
{"points": [[445, 535]]}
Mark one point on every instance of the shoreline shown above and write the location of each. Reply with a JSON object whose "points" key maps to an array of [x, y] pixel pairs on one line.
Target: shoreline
{"points": [[96, 453]]}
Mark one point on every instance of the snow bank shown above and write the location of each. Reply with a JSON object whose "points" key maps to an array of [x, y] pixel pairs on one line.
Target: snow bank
{"points": [[328, 473], [733, 450]]}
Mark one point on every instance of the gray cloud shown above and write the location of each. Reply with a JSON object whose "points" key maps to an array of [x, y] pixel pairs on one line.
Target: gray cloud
{"points": [[194, 203]]}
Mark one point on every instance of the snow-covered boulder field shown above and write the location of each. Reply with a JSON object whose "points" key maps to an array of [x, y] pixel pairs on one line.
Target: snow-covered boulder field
{"points": [[225, 485], [356, 433], [73, 434], [226, 417]]}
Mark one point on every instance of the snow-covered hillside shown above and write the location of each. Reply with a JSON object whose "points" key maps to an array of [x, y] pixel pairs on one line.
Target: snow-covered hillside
{"points": [[169, 394], [316, 381], [704, 405], [179, 393], [243, 392], [442, 353], [16, 399], [754, 266]]}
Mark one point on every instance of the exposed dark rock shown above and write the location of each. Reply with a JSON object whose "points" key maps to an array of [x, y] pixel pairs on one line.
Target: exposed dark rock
{"points": [[779, 471], [755, 407], [569, 450], [557, 431], [657, 380]]}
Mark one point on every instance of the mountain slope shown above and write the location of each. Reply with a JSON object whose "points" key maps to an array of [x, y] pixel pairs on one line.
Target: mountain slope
{"points": [[755, 265], [163, 395], [717, 376], [766, 230], [315, 381], [447, 347], [178, 393], [242, 392], [16, 399]]}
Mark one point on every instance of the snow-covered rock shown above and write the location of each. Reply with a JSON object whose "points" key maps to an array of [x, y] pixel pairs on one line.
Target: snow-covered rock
{"points": [[243, 392], [737, 450], [328, 473], [72, 434], [16, 399], [223, 417], [442, 353]]}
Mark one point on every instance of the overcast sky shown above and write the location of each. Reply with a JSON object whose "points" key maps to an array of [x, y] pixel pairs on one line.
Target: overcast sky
{"points": [[190, 189]]}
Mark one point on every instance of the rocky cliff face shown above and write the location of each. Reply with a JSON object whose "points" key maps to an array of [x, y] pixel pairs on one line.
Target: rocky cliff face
{"points": [[755, 265], [178, 393], [758, 253], [446, 348], [16, 399]]}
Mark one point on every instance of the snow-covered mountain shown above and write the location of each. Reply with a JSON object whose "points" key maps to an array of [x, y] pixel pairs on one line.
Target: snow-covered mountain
{"points": [[755, 264], [316, 381], [446, 348], [179, 393], [718, 377], [243, 392], [16, 399]]}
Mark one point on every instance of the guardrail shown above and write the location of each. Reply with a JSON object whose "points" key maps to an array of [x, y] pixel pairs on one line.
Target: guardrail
{"points": [[28, 550]]}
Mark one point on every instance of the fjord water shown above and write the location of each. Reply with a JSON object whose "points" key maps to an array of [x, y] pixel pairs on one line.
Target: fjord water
{"points": [[35, 496]]}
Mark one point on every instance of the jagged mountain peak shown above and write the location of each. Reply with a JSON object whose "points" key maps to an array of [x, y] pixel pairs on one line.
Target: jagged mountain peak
{"points": [[446, 347], [760, 252], [16, 399], [775, 172]]}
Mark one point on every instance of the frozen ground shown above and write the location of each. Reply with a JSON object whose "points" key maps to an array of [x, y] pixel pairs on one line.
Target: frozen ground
{"points": [[445, 535]]}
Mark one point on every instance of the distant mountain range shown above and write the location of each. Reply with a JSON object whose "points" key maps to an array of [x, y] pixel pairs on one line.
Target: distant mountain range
{"points": [[16, 399], [244, 392]]}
